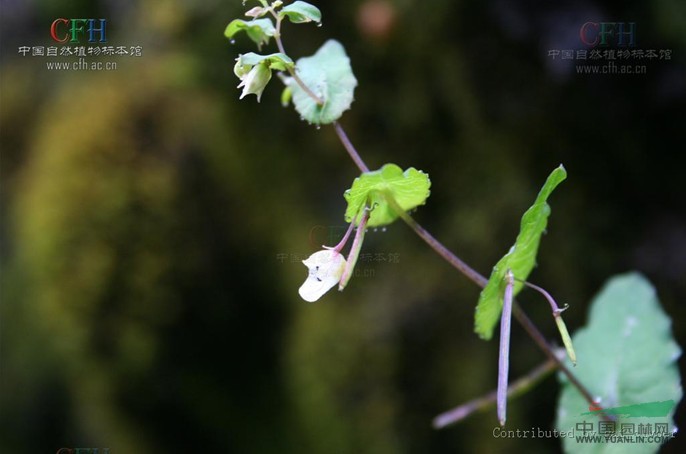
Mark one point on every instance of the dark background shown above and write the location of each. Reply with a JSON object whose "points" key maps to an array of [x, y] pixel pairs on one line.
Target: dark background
{"points": [[152, 223]]}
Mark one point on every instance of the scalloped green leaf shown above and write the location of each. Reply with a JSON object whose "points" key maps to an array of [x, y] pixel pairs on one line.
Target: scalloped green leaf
{"points": [[300, 12], [521, 258], [258, 30], [409, 189], [328, 75], [627, 358], [277, 61]]}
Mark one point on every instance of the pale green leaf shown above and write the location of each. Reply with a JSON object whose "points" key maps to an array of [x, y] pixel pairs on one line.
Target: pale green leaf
{"points": [[329, 76], [259, 30], [627, 358], [409, 189], [299, 12], [277, 61], [521, 258]]}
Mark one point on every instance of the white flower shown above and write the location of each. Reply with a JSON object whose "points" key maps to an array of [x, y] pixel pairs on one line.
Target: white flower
{"points": [[255, 80], [325, 268]]}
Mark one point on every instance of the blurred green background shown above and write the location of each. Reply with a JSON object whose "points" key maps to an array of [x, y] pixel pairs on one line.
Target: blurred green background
{"points": [[153, 224]]}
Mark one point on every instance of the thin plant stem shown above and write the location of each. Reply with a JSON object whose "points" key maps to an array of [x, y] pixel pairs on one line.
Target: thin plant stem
{"points": [[294, 75], [355, 248], [309, 92], [438, 247], [341, 244], [481, 281], [482, 403], [553, 304], [562, 328], [347, 144]]}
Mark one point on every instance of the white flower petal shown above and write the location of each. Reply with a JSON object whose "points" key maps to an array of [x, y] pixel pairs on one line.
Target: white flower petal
{"points": [[325, 270]]}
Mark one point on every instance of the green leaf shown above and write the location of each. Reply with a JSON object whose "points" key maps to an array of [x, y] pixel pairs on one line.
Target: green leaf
{"points": [[409, 189], [278, 61], [328, 74], [299, 12], [627, 358], [521, 258], [259, 30]]}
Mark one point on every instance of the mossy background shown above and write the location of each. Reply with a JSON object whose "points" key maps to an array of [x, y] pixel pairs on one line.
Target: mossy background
{"points": [[152, 223]]}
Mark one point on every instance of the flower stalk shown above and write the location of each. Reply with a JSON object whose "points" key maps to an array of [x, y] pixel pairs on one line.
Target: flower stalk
{"points": [[515, 389], [334, 261], [292, 72], [355, 248], [561, 327]]}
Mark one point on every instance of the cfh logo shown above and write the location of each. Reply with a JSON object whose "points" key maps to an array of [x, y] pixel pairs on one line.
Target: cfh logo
{"points": [[621, 34], [63, 30], [83, 451]]}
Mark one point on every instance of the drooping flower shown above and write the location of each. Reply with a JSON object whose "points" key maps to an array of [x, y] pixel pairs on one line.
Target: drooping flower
{"points": [[325, 270], [328, 267], [255, 80]]}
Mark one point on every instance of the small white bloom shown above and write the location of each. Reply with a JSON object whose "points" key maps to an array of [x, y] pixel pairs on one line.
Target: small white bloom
{"points": [[255, 80], [325, 268]]}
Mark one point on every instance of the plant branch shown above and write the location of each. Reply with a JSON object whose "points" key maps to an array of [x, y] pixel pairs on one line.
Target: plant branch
{"points": [[307, 90], [354, 155], [517, 388], [437, 246], [481, 281], [294, 75], [440, 249]]}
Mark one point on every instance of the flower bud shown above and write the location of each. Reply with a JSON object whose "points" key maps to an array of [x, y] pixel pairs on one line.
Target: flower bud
{"points": [[256, 12]]}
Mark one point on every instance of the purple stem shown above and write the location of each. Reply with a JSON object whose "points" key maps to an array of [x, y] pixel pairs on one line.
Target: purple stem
{"points": [[566, 339], [504, 359], [339, 247], [347, 144], [445, 253], [354, 249], [553, 305], [517, 388]]}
